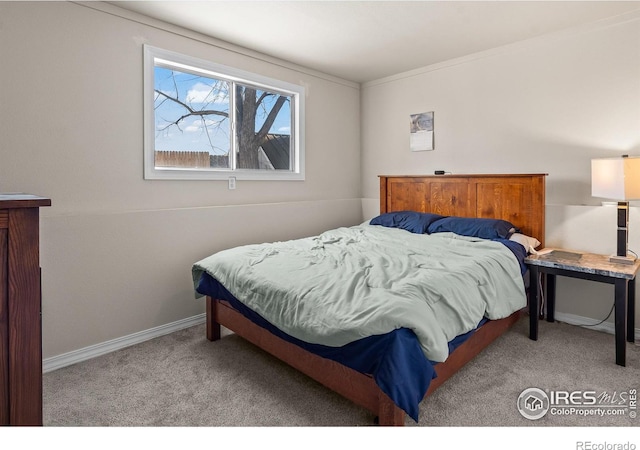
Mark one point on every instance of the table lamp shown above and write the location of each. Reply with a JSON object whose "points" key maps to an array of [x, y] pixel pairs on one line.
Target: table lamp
{"points": [[618, 179]]}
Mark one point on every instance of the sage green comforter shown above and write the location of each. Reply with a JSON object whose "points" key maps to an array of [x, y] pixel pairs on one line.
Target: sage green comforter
{"points": [[350, 283]]}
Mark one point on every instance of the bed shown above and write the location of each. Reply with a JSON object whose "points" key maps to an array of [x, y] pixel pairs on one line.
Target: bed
{"points": [[344, 362]]}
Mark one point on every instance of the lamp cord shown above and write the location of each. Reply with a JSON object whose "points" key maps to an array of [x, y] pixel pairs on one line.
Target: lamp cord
{"points": [[603, 320], [542, 301], [612, 306]]}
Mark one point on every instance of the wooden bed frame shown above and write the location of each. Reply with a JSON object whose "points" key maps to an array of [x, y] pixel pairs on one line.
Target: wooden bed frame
{"points": [[520, 199]]}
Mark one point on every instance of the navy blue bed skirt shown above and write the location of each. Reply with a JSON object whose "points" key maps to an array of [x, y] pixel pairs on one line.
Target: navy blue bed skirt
{"points": [[395, 360]]}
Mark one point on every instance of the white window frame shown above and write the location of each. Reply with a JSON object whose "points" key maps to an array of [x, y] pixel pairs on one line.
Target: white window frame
{"points": [[208, 68]]}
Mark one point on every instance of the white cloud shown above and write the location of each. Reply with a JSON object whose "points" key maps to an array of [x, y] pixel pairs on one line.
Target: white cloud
{"points": [[202, 93], [199, 124], [284, 130]]}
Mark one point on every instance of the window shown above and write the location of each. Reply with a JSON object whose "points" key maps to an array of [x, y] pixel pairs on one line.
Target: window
{"points": [[207, 121]]}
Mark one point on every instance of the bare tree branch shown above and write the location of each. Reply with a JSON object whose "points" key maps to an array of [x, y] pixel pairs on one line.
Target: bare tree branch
{"points": [[192, 112], [266, 126], [250, 109]]}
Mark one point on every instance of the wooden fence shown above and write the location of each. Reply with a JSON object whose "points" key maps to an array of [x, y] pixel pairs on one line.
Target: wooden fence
{"points": [[182, 159]]}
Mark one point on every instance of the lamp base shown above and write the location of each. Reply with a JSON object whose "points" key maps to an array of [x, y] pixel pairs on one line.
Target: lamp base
{"points": [[628, 260]]}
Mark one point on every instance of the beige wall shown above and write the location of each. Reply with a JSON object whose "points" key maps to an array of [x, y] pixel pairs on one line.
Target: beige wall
{"points": [[547, 105], [116, 250]]}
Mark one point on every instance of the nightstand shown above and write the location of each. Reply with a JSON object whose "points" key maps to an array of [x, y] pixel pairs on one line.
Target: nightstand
{"points": [[587, 266]]}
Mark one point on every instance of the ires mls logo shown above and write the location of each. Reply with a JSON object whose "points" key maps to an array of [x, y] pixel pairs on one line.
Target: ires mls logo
{"points": [[534, 403]]}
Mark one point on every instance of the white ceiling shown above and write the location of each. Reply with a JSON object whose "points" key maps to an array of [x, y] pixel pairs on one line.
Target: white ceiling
{"points": [[367, 40]]}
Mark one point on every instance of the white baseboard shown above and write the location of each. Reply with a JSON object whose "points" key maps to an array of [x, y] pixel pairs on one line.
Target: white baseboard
{"points": [[607, 327], [83, 354]]}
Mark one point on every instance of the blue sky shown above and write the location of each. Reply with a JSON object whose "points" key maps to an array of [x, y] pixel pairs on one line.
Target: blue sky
{"points": [[195, 133]]}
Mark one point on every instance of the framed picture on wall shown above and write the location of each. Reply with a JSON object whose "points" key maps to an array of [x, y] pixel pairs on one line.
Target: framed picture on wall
{"points": [[421, 132]]}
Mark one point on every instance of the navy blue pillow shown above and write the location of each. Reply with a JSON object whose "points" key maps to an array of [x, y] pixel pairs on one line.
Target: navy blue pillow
{"points": [[474, 227], [412, 221]]}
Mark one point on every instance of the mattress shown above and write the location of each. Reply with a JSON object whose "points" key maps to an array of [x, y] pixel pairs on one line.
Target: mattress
{"points": [[392, 352]]}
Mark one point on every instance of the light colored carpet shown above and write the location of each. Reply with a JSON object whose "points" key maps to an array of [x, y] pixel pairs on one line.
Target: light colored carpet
{"points": [[184, 380]]}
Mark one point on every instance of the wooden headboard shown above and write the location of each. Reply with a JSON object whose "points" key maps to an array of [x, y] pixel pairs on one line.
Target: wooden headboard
{"points": [[519, 199]]}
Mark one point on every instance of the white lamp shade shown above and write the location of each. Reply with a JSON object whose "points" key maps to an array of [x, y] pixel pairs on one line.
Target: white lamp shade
{"points": [[616, 178]]}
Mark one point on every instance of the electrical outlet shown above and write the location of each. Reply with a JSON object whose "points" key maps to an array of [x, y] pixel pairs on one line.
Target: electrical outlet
{"points": [[232, 182]]}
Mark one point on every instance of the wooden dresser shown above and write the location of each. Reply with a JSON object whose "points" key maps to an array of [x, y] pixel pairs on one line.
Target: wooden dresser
{"points": [[20, 318]]}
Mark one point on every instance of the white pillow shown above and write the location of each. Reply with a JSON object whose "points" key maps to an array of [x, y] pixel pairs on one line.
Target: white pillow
{"points": [[528, 242]]}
